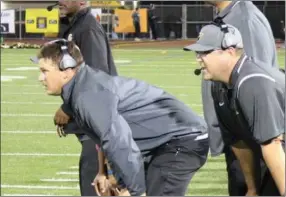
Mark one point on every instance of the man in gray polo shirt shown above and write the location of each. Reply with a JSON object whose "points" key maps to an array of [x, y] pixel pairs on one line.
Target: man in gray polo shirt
{"points": [[252, 102], [258, 43]]}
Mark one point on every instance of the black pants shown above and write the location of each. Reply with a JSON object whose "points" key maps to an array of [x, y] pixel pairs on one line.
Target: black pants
{"points": [[137, 30], [173, 165], [153, 29], [88, 168]]}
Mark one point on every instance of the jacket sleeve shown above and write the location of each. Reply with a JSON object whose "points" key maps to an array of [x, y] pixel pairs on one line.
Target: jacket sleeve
{"points": [[93, 46], [98, 111]]}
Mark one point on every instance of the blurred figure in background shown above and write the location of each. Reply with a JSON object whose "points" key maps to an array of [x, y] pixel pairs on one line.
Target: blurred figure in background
{"points": [[136, 23], [152, 20]]}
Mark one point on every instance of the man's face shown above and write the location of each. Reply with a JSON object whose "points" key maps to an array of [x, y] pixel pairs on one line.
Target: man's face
{"points": [[69, 7], [51, 77], [213, 63]]}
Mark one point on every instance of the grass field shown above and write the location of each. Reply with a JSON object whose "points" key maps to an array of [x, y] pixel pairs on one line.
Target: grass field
{"points": [[34, 161]]}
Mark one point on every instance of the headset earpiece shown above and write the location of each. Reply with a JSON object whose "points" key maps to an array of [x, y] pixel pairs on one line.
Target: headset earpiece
{"points": [[228, 38], [67, 60]]}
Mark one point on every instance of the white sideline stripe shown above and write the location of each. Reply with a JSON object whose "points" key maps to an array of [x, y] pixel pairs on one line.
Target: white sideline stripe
{"points": [[40, 154], [34, 195], [29, 132], [76, 173], [73, 167], [59, 180], [22, 68], [39, 187]]}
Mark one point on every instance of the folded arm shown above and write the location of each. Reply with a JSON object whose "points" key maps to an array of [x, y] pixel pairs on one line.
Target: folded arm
{"points": [[98, 110]]}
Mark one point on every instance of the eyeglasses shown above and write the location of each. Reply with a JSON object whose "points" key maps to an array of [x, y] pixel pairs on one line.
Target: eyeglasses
{"points": [[203, 53]]}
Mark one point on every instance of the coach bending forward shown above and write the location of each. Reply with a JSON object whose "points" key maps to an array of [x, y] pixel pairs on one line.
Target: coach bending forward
{"points": [[81, 26], [251, 106], [131, 121]]}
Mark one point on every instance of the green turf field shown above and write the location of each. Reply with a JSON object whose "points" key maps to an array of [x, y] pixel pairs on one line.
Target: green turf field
{"points": [[34, 161]]}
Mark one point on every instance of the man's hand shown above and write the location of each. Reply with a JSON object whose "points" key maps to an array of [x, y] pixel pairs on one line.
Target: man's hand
{"points": [[101, 184], [61, 118], [251, 193], [275, 162], [60, 131]]}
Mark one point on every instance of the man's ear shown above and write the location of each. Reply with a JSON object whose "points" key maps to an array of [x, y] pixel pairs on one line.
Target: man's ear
{"points": [[231, 51]]}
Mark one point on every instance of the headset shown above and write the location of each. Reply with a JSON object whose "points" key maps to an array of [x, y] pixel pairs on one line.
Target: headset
{"points": [[228, 40], [67, 60]]}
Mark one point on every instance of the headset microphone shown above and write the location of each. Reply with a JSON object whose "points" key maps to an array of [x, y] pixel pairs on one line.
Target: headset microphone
{"points": [[51, 7], [198, 71]]}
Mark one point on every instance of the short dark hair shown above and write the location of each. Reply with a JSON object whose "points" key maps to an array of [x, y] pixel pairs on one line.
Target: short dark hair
{"points": [[53, 51]]}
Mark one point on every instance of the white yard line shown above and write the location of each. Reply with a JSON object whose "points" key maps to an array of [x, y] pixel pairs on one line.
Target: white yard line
{"points": [[73, 167], [59, 180], [68, 173], [39, 187], [40, 154]]}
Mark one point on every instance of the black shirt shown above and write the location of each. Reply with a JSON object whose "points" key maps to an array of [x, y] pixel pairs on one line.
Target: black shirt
{"points": [[90, 37], [253, 102], [93, 43]]}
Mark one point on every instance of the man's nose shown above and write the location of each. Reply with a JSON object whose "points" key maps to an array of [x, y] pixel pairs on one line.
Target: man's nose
{"points": [[41, 77]]}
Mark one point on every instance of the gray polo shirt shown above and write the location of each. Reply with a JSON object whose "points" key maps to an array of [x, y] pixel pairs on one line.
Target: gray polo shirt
{"points": [[255, 29]]}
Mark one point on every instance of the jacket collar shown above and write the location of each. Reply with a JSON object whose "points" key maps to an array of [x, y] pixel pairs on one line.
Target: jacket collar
{"points": [[68, 88]]}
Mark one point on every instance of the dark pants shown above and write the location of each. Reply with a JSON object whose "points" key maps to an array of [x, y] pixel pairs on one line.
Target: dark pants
{"points": [[173, 165], [137, 29], [153, 29], [88, 168]]}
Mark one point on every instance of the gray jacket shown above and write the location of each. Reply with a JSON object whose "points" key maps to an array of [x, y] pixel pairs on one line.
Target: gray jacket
{"points": [[128, 118]]}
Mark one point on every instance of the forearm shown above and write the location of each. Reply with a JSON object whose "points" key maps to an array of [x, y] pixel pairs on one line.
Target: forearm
{"points": [[245, 157], [275, 162], [101, 162]]}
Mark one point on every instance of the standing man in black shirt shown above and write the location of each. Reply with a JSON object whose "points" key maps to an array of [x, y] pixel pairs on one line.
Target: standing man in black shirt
{"points": [[80, 26], [259, 43], [249, 104]]}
